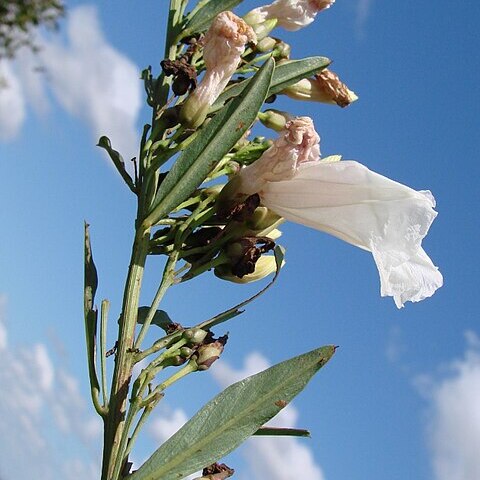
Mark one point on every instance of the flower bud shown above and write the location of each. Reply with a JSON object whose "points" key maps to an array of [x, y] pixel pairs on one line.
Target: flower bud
{"points": [[290, 14], [224, 45], [263, 222], [282, 50], [186, 352], [210, 352], [174, 361], [325, 87], [266, 44], [195, 335], [263, 29], [274, 119]]}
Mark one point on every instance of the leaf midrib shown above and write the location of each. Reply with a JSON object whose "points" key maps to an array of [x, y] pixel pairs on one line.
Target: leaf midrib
{"points": [[179, 458]]}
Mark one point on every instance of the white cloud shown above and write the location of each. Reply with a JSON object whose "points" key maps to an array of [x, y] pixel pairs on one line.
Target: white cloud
{"points": [[269, 457], [225, 375], [44, 424], [395, 347], [12, 103], [90, 79], [454, 416], [364, 8], [167, 423]]}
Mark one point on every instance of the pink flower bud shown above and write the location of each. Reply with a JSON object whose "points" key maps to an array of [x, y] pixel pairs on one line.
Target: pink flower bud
{"points": [[298, 143], [224, 45], [290, 14]]}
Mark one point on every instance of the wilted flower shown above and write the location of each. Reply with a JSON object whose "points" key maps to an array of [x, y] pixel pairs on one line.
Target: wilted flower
{"points": [[324, 87], [346, 199], [224, 45], [290, 14], [264, 266]]}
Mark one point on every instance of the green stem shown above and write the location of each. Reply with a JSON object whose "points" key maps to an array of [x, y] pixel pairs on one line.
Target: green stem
{"points": [[148, 403], [103, 349], [141, 422], [157, 346], [115, 422], [167, 281]]}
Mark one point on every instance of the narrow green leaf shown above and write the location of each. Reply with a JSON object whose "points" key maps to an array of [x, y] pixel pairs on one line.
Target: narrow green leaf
{"points": [[282, 432], [90, 312], [203, 17], [212, 143], [231, 417], [285, 75], [117, 160], [160, 319]]}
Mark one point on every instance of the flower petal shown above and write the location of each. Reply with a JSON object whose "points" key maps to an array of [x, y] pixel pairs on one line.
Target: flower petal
{"points": [[370, 211]]}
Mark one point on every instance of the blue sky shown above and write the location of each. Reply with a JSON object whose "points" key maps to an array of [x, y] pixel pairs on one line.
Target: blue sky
{"points": [[400, 398]]}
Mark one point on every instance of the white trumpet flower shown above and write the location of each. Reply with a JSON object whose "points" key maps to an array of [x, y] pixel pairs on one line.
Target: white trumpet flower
{"points": [[225, 43], [349, 201], [290, 14]]}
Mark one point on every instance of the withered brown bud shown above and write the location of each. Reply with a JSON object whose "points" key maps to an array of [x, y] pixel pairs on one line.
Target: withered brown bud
{"points": [[202, 237], [245, 253], [171, 116], [240, 212], [185, 75], [217, 471], [334, 88]]}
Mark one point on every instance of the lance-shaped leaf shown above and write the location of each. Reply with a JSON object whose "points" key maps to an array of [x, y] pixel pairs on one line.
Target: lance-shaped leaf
{"points": [[231, 417], [203, 17], [90, 287], [117, 160], [212, 143], [285, 75]]}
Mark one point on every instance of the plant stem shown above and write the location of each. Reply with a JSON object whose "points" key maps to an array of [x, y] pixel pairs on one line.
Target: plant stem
{"points": [[167, 281], [103, 350], [115, 421]]}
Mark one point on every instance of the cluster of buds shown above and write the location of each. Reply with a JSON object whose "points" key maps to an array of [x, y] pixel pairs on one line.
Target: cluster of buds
{"points": [[256, 233]]}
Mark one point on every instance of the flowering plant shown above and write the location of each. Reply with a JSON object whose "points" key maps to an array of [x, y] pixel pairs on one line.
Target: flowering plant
{"points": [[210, 197]]}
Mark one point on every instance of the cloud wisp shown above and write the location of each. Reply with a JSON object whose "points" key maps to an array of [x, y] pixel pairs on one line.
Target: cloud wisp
{"points": [[85, 74], [12, 103], [44, 421], [364, 8], [454, 415]]}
